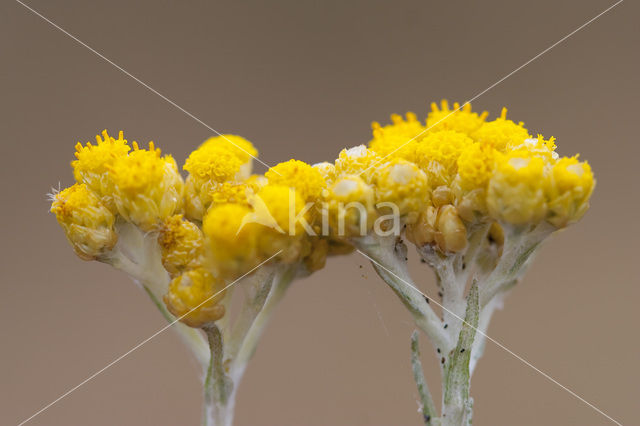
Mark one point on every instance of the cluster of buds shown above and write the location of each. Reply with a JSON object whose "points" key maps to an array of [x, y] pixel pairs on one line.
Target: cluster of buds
{"points": [[475, 197]]}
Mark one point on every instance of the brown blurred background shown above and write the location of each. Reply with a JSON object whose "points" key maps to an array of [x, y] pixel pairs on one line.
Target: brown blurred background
{"points": [[304, 79]]}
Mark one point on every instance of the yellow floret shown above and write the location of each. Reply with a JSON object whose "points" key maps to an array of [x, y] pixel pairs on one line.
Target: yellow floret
{"points": [[397, 140], [94, 161], [357, 161], [461, 120], [350, 206], [502, 133], [181, 244], [87, 223], [148, 187], [194, 297], [475, 166], [437, 154], [402, 183], [570, 187], [307, 180], [516, 189]]}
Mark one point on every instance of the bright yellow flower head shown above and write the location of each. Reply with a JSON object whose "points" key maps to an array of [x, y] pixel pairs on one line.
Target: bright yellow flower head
{"points": [[569, 190], [516, 189], [402, 183], [147, 187], [87, 223], [194, 297], [239, 146], [281, 204], [461, 120], [93, 162], [181, 244], [437, 154], [350, 204], [397, 140], [281, 212], [213, 163], [475, 166], [307, 180], [502, 133], [357, 161]]}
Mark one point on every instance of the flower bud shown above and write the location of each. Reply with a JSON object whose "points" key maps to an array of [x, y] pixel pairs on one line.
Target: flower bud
{"points": [[451, 234], [423, 231]]}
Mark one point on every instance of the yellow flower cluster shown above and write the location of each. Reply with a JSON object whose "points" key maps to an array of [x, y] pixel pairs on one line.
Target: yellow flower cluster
{"points": [[439, 178], [477, 171]]}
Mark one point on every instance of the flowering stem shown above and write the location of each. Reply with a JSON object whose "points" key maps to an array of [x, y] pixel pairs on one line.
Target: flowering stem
{"points": [[389, 260], [153, 280], [457, 404], [218, 411], [280, 283]]}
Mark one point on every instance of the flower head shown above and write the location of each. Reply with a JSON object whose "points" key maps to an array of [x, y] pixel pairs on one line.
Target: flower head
{"points": [[569, 188], [358, 160], [502, 133], [194, 297], [147, 187], [437, 154], [459, 119], [350, 207], [87, 223], [397, 140], [402, 183], [307, 180], [182, 245], [516, 189], [93, 162]]}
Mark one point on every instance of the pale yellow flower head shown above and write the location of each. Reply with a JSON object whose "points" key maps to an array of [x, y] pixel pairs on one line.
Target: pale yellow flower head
{"points": [[194, 297], [87, 223], [93, 163], [569, 189], [327, 170], [397, 140], [350, 204], [516, 190], [402, 183], [461, 120], [357, 161], [147, 187]]}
